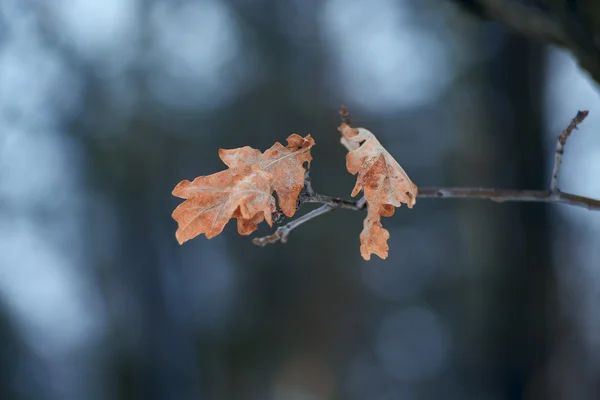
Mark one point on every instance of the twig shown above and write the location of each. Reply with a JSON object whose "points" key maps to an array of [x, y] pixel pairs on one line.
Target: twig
{"points": [[503, 196], [560, 147], [335, 202], [282, 233], [345, 115], [552, 195]]}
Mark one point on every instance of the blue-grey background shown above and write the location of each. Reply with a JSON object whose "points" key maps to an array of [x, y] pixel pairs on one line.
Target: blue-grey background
{"points": [[106, 105]]}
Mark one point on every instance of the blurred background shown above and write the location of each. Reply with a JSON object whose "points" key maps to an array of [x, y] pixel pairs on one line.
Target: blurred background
{"points": [[106, 105]]}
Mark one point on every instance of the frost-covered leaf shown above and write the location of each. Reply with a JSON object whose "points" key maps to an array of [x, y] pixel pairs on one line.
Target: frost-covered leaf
{"points": [[284, 163], [383, 181], [244, 191], [211, 201]]}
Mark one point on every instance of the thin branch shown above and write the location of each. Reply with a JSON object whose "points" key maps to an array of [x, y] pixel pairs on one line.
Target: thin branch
{"points": [[503, 196], [309, 196], [560, 147], [282, 233], [552, 195], [495, 195], [335, 202]]}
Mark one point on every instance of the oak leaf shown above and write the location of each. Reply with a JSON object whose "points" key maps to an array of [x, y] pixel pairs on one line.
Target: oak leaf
{"points": [[244, 191], [373, 238], [384, 183], [284, 163], [211, 201]]}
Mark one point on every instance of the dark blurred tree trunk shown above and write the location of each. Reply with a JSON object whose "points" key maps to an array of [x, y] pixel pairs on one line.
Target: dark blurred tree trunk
{"points": [[14, 353], [509, 298], [571, 24], [525, 291]]}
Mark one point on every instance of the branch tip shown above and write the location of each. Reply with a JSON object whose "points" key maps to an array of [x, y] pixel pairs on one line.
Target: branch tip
{"points": [[560, 147], [345, 115]]}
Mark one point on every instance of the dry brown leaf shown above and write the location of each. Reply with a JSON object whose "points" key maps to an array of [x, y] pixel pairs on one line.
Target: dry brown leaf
{"points": [[247, 226], [213, 200], [373, 238], [383, 181], [348, 133], [379, 175], [284, 163], [244, 191]]}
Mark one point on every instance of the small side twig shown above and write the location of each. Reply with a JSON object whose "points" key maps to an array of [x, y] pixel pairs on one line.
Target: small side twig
{"points": [[560, 147], [282, 233], [551, 195]]}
